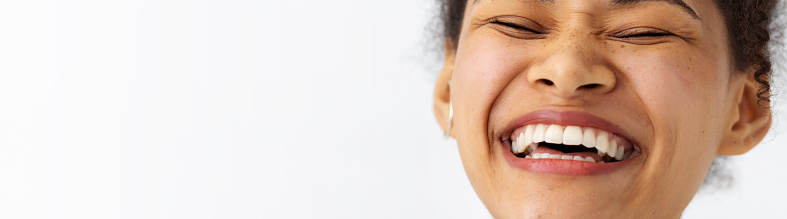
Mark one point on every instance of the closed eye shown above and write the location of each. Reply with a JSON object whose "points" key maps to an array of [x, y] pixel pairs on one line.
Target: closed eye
{"points": [[640, 33], [517, 27], [647, 34], [644, 36]]}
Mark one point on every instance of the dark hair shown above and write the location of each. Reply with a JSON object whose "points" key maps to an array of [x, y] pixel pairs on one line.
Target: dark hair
{"points": [[747, 24]]}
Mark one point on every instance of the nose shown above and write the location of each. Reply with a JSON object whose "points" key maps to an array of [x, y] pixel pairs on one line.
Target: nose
{"points": [[571, 71]]}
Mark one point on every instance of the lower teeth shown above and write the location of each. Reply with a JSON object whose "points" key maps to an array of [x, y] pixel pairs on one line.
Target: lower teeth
{"points": [[568, 157], [528, 153], [531, 155]]}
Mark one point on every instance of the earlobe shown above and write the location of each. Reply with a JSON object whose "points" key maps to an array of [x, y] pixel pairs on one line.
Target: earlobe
{"points": [[442, 90], [750, 121]]}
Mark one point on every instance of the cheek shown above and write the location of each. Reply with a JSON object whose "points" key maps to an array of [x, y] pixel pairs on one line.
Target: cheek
{"points": [[483, 70], [682, 95]]}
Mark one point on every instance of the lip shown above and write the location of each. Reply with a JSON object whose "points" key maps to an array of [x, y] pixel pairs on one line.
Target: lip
{"points": [[565, 167]]}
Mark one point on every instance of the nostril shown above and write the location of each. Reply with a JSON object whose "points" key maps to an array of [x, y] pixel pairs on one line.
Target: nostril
{"points": [[590, 86], [548, 82]]}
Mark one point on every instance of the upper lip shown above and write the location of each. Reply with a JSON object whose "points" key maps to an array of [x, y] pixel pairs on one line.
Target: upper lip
{"points": [[567, 118]]}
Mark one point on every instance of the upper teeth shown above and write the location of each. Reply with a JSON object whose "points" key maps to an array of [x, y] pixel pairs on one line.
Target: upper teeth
{"points": [[603, 141]]}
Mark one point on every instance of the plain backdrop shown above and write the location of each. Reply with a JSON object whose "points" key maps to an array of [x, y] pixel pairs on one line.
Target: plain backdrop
{"points": [[250, 109]]}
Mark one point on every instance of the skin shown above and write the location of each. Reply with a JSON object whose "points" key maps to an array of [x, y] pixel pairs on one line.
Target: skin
{"points": [[678, 96]]}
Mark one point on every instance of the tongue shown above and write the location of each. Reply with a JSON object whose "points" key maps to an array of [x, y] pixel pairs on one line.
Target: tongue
{"points": [[549, 150]]}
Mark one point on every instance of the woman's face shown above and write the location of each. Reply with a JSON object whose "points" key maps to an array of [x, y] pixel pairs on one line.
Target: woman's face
{"points": [[537, 85]]}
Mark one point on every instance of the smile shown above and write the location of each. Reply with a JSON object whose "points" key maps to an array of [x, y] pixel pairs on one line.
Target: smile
{"points": [[570, 143]]}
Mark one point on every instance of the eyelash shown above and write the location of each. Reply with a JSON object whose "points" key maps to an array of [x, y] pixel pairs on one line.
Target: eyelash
{"points": [[645, 34], [513, 25], [649, 33]]}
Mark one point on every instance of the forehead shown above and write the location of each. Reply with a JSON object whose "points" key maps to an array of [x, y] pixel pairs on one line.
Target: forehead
{"points": [[619, 3]]}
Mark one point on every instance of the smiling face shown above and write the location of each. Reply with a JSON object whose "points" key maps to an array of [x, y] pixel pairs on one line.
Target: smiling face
{"points": [[595, 108]]}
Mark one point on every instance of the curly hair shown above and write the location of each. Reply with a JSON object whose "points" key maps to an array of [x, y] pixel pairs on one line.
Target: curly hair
{"points": [[747, 23]]}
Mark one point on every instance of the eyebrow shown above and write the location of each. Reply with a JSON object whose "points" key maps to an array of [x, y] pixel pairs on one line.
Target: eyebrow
{"points": [[679, 3], [618, 3]]}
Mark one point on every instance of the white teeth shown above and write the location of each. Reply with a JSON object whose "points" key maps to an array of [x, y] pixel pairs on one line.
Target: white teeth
{"points": [[515, 147], [530, 136], [520, 144], [572, 135], [538, 133], [589, 139], [613, 148], [619, 155], [561, 157], [602, 142], [554, 134]]}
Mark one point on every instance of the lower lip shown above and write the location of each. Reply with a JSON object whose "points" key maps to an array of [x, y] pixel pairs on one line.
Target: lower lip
{"points": [[565, 167]]}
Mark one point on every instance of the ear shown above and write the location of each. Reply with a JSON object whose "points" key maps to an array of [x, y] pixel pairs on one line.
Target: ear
{"points": [[749, 121], [442, 90]]}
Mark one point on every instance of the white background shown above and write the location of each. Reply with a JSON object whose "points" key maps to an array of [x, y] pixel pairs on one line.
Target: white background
{"points": [[249, 109]]}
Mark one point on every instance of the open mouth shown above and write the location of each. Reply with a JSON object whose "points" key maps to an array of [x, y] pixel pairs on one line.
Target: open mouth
{"points": [[587, 144]]}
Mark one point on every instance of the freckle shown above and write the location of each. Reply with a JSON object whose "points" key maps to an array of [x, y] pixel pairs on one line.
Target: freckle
{"points": [[622, 46]]}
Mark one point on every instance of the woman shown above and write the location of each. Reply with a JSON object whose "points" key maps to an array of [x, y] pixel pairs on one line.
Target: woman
{"points": [[601, 108]]}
